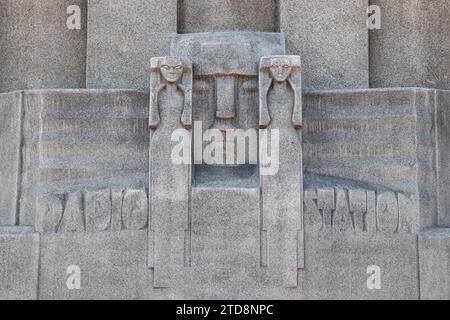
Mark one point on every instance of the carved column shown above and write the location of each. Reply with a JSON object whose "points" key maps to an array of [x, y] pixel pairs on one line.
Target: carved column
{"points": [[281, 169], [170, 170]]}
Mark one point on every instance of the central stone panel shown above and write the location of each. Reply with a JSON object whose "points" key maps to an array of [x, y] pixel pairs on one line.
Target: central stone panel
{"points": [[230, 216], [225, 230], [225, 93]]}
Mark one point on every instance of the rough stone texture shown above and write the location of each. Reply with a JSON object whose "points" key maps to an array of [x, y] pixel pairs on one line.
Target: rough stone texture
{"points": [[347, 258], [19, 256], [434, 257], [348, 249], [114, 268], [225, 246], [121, 42], [10, 156], [332, 39], [228, 15], [38, 50], [412, 47], [77, 140]]}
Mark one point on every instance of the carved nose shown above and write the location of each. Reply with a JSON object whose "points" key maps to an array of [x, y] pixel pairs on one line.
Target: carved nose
{"points": [[225, 98]]}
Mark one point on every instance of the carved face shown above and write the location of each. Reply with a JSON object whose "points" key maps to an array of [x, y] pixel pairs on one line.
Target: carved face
{"points": [[172, 70], [280, 69]]}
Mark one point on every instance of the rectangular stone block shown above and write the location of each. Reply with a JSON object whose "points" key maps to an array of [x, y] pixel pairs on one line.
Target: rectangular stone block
{"points": [[229, 15], [225, 237], [434, 258], [332, 39], [38, 49], [121, 42], [344, 266], [412, 47], [19, 258], [10, 155], [112, 265]]}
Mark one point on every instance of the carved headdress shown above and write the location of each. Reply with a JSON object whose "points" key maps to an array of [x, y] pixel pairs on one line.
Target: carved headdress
{"points": [[158, 83], [265, 82]]}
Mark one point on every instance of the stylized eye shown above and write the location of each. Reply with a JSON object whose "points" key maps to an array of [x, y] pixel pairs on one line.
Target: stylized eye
{"points": [[286, 66], [165, 67], [179, 67]]}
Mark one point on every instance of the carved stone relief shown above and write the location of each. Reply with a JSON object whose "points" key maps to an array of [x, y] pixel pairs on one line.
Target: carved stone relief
{"points": [[281, 110], [170, 182], [364, 212], [93, 211]]}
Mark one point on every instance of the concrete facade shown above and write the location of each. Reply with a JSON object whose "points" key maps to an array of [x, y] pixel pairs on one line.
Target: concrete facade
{"points": [[337, 49], [357, 208], [122, 36], [38, 49], [208, 16], [66, 233], [332, 39], [411, 49]]}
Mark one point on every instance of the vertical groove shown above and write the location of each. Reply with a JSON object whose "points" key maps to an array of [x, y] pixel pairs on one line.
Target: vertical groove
{"points": [[85, 12], [188, 233], [277, 18], [20, 160], [418, 268], [179, 16]]}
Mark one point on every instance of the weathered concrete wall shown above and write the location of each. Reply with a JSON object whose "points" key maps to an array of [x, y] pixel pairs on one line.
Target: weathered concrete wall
{"points": [[228, 15], [82, 139], [412, 48], [349, 252], [383, 138], [37, 48], [332, 39], [19, 258], [113, 266], [122, 37], [39, 51], [345, 134], [434, 258]]}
